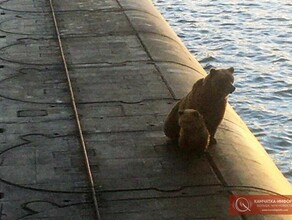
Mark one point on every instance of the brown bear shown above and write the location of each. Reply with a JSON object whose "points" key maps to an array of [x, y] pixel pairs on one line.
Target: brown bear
{"points": [[193, 134], [209, 97]]}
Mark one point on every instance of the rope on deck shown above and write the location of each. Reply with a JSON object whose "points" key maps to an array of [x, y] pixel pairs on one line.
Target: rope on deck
{"points": [[82, 141]]}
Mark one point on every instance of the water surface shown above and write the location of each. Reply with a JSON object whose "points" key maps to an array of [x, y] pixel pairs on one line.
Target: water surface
{"points": [[255, 37]]}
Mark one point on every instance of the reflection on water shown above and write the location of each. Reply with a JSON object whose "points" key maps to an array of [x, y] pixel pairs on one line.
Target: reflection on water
{"points": [[256, 39]]}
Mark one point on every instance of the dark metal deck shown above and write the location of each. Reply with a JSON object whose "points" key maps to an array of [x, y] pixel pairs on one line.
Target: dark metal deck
{"points": [[127, 71]]}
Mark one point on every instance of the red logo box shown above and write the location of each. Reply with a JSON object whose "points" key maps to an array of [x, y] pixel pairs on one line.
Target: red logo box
{"points": [[260, 205]]}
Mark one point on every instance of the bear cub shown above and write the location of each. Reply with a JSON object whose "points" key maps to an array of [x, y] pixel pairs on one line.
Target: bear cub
{"points": [[193, 135], [209, 97]]}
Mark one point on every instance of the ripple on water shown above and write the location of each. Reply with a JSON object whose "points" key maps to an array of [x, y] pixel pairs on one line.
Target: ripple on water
{"points": [[207, 59], [286, 93]]}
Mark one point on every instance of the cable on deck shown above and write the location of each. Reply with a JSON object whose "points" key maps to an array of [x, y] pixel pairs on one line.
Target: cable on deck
{"points": [[82, 141]]}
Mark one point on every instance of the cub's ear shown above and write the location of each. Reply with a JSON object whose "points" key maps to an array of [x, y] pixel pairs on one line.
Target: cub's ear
{"points": [[231, 70], [212, 72], [180, 112], [196, 113]]}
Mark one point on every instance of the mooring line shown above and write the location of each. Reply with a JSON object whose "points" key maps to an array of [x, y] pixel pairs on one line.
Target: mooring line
{"points": [[82, 141]]}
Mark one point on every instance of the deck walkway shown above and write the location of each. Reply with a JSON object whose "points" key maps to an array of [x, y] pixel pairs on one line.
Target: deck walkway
{"points": [[128, 68]]}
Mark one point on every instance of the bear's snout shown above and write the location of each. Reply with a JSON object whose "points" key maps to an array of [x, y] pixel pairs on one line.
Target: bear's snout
{"points": [[232, 89]]}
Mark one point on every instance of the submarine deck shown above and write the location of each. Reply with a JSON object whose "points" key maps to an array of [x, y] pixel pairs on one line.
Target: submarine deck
{"points": [[127, 69]]}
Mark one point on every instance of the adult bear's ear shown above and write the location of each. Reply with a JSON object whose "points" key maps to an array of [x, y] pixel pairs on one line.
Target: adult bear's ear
{"points": [[213, 71], [231, 70]]}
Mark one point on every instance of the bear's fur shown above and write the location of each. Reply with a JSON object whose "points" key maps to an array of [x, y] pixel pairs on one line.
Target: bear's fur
{"points": [[209, 97], [193, 135]]}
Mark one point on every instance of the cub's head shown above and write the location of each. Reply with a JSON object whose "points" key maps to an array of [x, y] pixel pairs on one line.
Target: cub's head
{"points": [[189, 118], [220, 81]]}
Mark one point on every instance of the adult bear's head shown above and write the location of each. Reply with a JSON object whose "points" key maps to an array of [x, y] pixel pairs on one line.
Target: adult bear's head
{"points": [[219, 82]]}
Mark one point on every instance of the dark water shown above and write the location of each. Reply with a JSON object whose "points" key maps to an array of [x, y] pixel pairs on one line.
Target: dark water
{"points": [[255, 37]]}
